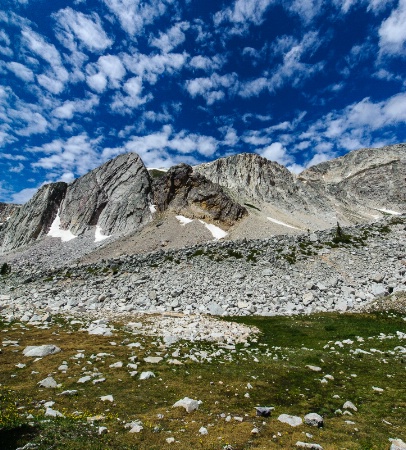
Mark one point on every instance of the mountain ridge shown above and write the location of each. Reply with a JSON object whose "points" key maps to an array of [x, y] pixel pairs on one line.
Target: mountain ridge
{"points": [[245, 194]]}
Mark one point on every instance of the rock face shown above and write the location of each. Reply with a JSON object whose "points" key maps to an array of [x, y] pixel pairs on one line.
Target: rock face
{"points": [[250, 177], [366, 178], [116, 196], [33, 220], [6, 211], [185, 192]]}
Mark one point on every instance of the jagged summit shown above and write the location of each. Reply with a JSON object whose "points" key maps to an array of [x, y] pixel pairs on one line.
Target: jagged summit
{"points": [[244, 194]]}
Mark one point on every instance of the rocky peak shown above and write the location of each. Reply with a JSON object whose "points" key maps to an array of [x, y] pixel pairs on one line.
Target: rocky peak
{"points": [[116, 196], [183, 191]]}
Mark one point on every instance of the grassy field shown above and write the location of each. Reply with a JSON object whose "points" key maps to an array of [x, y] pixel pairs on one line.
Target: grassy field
{"points": [[356, 353]]}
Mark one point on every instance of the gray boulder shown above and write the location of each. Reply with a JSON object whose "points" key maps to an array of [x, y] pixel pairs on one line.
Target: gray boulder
{"points": [[313, 419], [40, 351]]}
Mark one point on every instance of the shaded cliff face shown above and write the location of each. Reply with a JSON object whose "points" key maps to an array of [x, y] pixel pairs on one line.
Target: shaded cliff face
{"points": [[185, 192], [116, 196], [366, 178], [33, 220]]}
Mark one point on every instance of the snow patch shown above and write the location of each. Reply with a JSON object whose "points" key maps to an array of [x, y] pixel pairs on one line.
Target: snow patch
{"points": [[282, 223], [217, 232], [389, 211], [98, 235], [55, 230], [183, 220], [152, 208]]}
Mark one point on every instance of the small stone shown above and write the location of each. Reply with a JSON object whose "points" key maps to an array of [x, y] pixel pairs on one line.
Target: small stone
{"points": [[170, 440], [187, 403], [107, 398], [397, 444], [146, 375], [263, 411], [102, 430], [350, 405], [203, 431], [153, 359], [314, 368], [48, 382], [308, 445]]}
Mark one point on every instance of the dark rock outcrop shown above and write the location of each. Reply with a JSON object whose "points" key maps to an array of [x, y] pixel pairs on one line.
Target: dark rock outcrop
{"points": [[116, 196], [183, 191], [33, 220]]}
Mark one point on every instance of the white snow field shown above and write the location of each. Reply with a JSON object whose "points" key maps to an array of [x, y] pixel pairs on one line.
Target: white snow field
{"points": [[55, 230]]}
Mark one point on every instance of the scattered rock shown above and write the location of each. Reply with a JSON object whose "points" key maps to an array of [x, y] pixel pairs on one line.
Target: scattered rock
{"points": [[187, 403], [293, 421]]}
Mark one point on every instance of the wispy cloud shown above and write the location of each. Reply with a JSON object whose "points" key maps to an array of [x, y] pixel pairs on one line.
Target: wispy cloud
{"points": [[242, 14], [74, 26], [169, 40], [392, 32], [213, 88], [134, 15]]}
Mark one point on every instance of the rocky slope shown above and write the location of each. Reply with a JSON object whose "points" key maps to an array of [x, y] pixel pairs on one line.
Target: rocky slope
{"points": [[6, 211], [323, 271]]}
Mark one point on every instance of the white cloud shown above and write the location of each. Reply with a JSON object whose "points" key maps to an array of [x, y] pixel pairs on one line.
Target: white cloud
{"points": [[97, 82], [125, 104], [307, 10], [292, 70], [206, 63], [276, 152], [392, 32], [53, 80], [134, 15], [108, 71], [23, 196], [87, 29], [21, 71], [213, 88], [242, 14], [11, 157], [150, 67], [71, 107], [175, 36], [354, 126], [77, 154], [17, 169]]}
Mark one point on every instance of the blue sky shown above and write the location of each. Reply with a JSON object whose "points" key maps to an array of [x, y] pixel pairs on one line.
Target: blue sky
{"points": [[298, 82]]}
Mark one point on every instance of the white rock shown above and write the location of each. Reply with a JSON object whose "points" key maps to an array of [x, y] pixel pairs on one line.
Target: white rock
{"points": [[397, 444], [40, 351], [146, 375], [314, 368], [187, 403], [53, 413], [107, 398], [350, 405], [84, 379], [308, 445], [116, 365], [102, 430], [293, 421], [203, 431], [153, 359], [169, 440], [48, 382]]}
